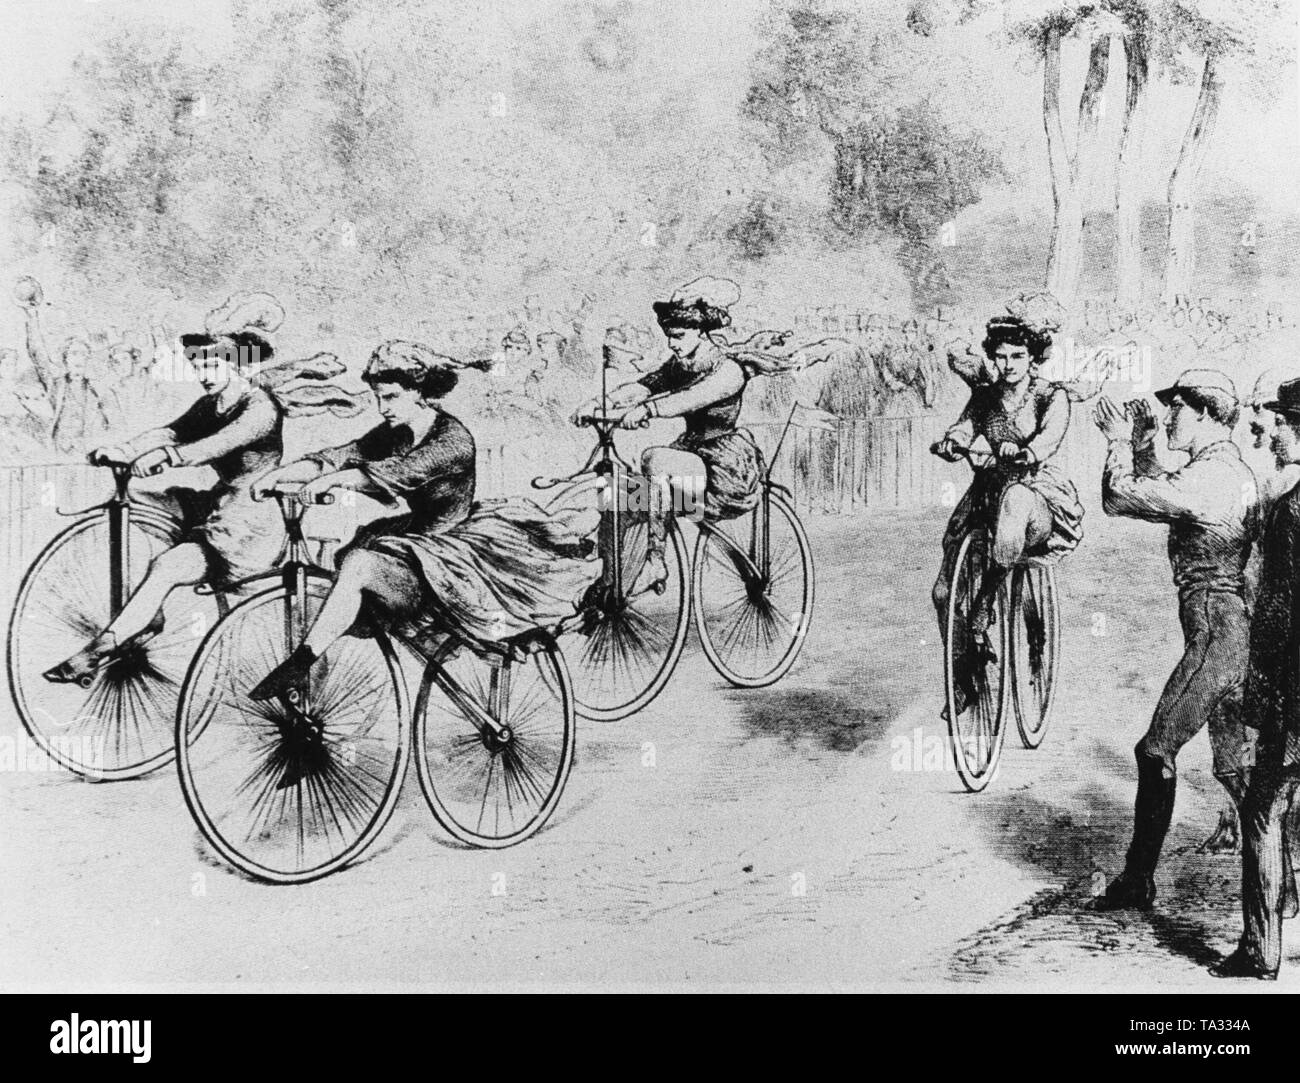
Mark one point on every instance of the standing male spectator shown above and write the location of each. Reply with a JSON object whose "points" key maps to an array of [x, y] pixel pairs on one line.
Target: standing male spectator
{"points": [[1272, 710], [80, 419], [1208, 505]]}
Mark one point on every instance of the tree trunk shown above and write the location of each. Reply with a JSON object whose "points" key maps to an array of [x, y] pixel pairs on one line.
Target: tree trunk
{"points": [[1092, 107], [1128, 177], [1180, 258], [1066, 251]]}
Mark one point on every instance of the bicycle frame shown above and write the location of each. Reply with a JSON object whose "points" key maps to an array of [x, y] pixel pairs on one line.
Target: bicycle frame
{"points": [[604, 461], [120, 508], [292, 568]]}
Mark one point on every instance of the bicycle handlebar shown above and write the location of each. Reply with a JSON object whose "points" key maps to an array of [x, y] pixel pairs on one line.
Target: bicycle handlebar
{"points": [[294, 492], [593, 421], [117, 465], [977, 459]]}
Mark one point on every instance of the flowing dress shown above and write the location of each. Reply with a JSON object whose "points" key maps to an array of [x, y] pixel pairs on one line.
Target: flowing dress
{"points": [[483, 571], [1037, 424], [732, 461], [241, 537]]}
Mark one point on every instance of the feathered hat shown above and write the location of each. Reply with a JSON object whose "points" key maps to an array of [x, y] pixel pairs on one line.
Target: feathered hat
{"points": [[701, 304]]}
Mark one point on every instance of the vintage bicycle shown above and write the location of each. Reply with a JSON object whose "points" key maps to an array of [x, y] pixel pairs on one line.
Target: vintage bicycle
{"points": [[751, 588], [1023, 676], [117, 722], [293, 789]]}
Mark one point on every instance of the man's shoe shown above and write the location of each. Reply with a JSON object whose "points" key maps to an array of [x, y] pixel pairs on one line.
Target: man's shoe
{"points": [[1127, 892], [1224, 839], [1240, 965]]}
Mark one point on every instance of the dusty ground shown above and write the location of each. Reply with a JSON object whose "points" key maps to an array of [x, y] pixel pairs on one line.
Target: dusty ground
{"points": [[775, 840]]}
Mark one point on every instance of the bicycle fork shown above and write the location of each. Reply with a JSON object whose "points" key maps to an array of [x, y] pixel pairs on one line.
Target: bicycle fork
{"points": [[119, 555], [610, 538]]}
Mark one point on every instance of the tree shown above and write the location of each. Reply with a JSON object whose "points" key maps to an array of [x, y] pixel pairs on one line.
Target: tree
{"points": [[1136, 41], [1044, 28], [1205, 39], [858, 92]]}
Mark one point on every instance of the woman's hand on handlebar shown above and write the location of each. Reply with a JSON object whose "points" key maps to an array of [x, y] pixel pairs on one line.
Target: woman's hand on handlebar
{"points": [[317, 491], [262, 486], [638, 417], [1011, 454], [582, 415], [949, 449], [104, 456], [150, 463]]}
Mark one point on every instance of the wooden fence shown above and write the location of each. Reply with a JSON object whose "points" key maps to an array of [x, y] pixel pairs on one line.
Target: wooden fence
{"points": [[860, 465]]}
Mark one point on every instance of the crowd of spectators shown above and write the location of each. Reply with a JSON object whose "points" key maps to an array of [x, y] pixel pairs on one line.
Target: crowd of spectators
{"points": [[60, 395]]}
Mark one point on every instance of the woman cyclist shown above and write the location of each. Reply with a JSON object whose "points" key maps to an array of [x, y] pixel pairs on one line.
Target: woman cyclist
{"points": [[712, 463], [236, 428], [484, 572], [1023, 498]]}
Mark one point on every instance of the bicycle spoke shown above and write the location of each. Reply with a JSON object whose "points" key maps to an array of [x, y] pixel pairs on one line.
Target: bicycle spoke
{"points": [[291, 792]]}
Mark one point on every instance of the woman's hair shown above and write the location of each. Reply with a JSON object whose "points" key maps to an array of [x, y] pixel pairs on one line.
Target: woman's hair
{"points": [[1013, 331], [412, 366], [697, 315]]}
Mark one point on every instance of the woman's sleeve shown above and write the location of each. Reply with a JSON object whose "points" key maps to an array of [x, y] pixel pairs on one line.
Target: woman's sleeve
{"points": [[724, 381], [657, 380], [254, 422], [413, 470], [962, 431], [1052, 428], [355, 453], [186, 429]]}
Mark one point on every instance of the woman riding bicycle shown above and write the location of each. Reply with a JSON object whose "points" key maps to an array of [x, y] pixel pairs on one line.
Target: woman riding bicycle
{"points": [[712, 462], [236, 429], [1024, 500], [483, 572]]}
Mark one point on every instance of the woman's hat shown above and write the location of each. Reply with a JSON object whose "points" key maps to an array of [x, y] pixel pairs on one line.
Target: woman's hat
{"points": [[237, 330], [700, 304], [411, 359]]}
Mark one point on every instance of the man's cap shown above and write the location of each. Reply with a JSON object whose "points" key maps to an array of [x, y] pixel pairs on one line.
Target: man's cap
{"points": [[1288, 399], [1211, 380]]}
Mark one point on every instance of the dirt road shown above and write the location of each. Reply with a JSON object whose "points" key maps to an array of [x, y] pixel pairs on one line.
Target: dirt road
{"points": [[803, 835]]}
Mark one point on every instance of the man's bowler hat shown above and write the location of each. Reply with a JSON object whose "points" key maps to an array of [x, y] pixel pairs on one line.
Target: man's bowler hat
{"points": [[1288, 399]]}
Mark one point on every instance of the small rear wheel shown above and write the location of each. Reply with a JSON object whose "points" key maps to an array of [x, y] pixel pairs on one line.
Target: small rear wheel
{"points": [[494, 741], [753, 619], [1035, 650]]}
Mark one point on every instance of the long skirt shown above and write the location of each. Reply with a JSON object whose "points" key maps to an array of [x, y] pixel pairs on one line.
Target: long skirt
{"points": [[734, 468], [240, 536], [506, 570], [979, 507]]}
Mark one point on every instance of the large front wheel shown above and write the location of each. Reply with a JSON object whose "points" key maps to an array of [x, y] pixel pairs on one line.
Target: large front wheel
{"points": [[752, 589], [624, 644], [494, 741], [975, 680], [117, 725], [288, 791]]}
